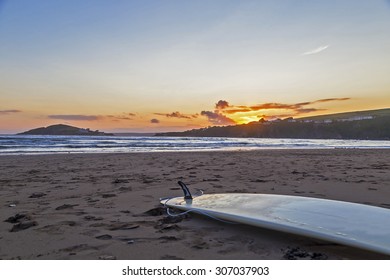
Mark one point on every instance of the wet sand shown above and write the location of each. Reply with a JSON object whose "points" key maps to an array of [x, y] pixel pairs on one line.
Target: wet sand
{"points": [[106, 206]]}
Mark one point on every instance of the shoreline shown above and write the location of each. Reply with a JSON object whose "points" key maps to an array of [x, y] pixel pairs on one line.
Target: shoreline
{"points": [[106, 205], [87, 145], [235, 150]]}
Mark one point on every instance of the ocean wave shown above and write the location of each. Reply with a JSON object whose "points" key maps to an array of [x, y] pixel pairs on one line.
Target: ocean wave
{"points": [[24, 144]]}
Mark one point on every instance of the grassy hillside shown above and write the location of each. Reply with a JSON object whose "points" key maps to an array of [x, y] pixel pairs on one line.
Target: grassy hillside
{"points": [[349, 115]]}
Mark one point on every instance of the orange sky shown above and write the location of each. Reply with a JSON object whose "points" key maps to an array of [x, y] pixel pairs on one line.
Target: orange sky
{"points": [[136, 67], [222, 113]]}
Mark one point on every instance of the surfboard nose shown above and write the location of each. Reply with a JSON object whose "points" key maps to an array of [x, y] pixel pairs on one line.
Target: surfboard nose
{"points": [[164, 200]]}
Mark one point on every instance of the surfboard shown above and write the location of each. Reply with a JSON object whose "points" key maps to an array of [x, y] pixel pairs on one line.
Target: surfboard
{"points": [[358, 225]]}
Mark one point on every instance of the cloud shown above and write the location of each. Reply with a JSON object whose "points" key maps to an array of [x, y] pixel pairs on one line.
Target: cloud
{"points": [[223, 110], [221, 104], [75, 117], [297, 107], [80, 117], [307, 110], [6, 112], [317, 50], [332, 99], [154, 121], [217, 118], [266, 106], [177, 115], [237, 110], [121, 117]]}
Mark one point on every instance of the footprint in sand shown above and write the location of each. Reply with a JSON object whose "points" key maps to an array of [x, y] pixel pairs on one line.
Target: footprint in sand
{"points": [[104, 237], [297, 253], [122, 226], [57, 228], [65, 206], [21, 221], [23, 225], [92, 218]]}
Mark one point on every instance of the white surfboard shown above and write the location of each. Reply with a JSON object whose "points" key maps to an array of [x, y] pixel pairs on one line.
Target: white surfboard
{"points": [[358, 225]]}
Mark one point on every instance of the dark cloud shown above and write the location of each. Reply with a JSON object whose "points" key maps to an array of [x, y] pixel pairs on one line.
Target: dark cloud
{"points": [[217, 118], [177, 115], [5, 112], [307, 110], [273, 106], [154, 121], [279, 116], [118, 118], [264, 106], [221, 104], [298, 108], [79, 117], [75, 117], [332, 99], [123, 116], [223, 108], [303, 104], [321, 101]]}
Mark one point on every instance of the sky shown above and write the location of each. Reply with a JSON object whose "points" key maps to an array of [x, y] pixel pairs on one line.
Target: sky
{"points": [[172, 65]]}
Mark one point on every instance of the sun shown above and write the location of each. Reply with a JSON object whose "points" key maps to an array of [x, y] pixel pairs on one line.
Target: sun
{"points": [[245, 118]]}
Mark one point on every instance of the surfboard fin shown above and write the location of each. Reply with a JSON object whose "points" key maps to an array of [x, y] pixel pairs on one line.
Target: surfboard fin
{"points": [[187, 193]]}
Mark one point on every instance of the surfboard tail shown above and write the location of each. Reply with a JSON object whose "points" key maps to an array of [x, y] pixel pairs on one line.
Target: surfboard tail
{"points": [[187, 193]]}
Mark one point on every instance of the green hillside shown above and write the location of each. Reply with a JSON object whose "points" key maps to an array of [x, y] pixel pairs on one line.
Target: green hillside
{"points": [[349, 115]]}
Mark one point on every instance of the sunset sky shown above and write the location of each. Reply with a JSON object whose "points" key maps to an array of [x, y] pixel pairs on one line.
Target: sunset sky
{"points": [[149, 66]]}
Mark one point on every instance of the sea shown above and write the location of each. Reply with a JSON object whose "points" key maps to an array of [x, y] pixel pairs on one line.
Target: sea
{"points": [[28, 144]]}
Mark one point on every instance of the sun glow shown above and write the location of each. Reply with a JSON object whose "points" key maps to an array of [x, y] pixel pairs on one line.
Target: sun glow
{"points": [[246, 119], [256, 115]]}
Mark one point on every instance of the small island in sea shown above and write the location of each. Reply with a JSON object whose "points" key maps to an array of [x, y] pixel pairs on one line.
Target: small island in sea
{"points": [[62, 129]]}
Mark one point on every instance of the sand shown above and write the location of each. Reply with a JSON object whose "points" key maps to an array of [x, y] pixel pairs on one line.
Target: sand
{"points": [[106, 206]]}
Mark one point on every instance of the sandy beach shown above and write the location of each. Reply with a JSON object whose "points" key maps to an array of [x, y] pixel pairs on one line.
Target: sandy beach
{"points": [[106, 206]]}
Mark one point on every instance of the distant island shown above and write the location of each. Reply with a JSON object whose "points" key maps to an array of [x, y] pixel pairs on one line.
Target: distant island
{"points": [[62, 129], [364, 125]]}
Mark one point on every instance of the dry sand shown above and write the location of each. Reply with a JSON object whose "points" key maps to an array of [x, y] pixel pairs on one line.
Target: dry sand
{"points": [[106, 206]]}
